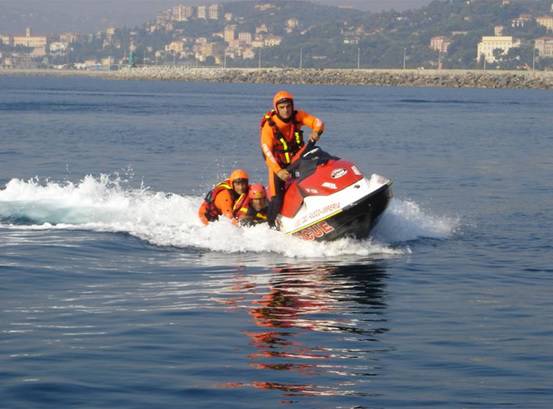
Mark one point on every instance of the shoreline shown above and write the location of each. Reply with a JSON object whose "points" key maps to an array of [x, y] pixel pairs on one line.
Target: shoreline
{"points": [[310, 76]]}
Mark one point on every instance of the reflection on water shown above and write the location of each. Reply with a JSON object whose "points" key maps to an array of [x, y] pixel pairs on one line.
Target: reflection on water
{"points": [[318, 329]]}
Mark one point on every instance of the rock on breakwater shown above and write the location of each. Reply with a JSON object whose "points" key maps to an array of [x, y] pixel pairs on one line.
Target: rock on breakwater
{"points": [[381, 77]]}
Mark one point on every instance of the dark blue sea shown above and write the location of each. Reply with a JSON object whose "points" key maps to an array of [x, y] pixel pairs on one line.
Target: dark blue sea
{"points": [[113, 295]]}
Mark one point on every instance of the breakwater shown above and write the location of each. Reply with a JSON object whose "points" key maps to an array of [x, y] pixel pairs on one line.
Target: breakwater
{"points": [[367, 77]]}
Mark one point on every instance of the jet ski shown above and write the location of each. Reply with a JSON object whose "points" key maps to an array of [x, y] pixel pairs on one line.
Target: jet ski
{"points": [[329, 198]]}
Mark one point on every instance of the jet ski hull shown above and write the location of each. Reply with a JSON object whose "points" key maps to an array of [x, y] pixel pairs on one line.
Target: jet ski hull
{"points": [[329, 198], [355, 220]]}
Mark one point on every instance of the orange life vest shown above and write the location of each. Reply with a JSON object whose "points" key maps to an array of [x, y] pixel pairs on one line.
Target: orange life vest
{"points": [[212, 213], [284, 150], [252, 216]]}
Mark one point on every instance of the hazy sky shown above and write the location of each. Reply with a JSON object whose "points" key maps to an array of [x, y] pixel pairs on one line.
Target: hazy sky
{"points": [[52, 16]]}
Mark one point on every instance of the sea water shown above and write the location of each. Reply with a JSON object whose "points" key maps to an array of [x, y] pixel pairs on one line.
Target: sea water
{"points": [[113, 294]]}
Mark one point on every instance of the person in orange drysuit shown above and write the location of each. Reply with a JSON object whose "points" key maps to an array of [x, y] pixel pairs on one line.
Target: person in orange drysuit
{"points": [[255, 209], [281, 141], [226, 198]]}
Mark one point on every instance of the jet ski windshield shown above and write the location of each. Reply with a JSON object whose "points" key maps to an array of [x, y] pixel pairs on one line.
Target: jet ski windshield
{"points": [[308, 162]]}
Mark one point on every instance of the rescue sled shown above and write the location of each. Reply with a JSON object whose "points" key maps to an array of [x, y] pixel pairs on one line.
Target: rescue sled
{"points": [[329, 198]]}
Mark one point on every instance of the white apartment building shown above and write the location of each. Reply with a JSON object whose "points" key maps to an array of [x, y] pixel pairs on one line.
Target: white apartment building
{"points": [[214, 11], [521, 21], [182, 13], [544, 46], [29, 41], [175, 47], [272, 40], [440, 44], [488, 44], [229, 33], [202, 12], [58, 47], [545, 21], [245, 37]]}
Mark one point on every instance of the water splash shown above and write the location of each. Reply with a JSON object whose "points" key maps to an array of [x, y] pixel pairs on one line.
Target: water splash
{"points": [[404, 220], [167, 219]]}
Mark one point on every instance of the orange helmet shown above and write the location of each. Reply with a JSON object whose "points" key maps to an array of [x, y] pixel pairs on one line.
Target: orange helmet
{"points": [[238, 174], [282, 96], [257, 191]]}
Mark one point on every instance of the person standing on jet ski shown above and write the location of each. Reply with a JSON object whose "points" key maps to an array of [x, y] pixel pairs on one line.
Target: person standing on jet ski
{"points": [[255, 210], [226, 198], [281, 141]]}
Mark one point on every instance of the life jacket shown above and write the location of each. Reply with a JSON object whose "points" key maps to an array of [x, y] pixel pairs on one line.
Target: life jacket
{"points": [[252, 216], [284, 150], [211, 211]]}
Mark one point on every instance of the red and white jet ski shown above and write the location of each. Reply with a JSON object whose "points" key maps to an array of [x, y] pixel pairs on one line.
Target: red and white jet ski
{"points": [[329, 198]]}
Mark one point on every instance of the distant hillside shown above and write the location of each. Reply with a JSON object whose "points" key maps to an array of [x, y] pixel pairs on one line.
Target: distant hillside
{"points": [[336, 37], [88, 16], [297, 33]]}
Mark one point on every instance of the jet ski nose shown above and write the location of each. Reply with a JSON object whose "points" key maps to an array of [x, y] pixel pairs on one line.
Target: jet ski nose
{"points": [[379, 179]]}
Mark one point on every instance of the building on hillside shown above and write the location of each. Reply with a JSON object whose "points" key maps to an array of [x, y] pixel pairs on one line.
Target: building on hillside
{"points": [[29, 41], [69, 38], [229, 33], [521, 21], [39, 52], [5, 39], [292, 24], [258, 43], [440, 44], [261, 29], [489, 44], [110, 32], [545, 21], [245, 38], [498, 31], [58, 48], [175, 47], [228, 17], [248, 54], [19, 60], [182, 13], [204, 51], [202, 12], [214, 11], [351, 38], [164, 17], [544, 46], [272, 40], [265, 6], [201, 41]]}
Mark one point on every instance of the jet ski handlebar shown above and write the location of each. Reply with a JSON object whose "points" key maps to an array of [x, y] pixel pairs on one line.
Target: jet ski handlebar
{"points": [[307, 160]]}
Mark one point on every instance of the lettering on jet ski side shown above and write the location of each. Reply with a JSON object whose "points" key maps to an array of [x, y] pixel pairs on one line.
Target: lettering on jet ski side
{"points": [[315, 232], [323, 211]]}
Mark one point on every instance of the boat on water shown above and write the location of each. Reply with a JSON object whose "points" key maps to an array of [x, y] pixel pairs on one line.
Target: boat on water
{"points": [[330, 198]]}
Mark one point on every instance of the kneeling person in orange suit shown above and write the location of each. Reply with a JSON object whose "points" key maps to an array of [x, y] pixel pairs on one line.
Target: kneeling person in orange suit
{"points": [[226, 198], [255, 211], [282, 141]]}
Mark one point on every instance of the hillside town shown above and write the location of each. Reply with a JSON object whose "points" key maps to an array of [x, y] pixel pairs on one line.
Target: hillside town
{"points": [[262, 34]]}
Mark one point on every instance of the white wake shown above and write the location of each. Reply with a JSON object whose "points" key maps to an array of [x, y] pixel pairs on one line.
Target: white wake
{"points": [[168, 219]]}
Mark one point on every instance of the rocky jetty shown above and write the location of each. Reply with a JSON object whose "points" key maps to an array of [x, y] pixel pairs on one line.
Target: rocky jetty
{"points": [[397, 78]]}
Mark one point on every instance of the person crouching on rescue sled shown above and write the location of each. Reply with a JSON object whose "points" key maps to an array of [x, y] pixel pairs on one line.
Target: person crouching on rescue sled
{"points": [[226, 198], [255, 211], [281, 140]]}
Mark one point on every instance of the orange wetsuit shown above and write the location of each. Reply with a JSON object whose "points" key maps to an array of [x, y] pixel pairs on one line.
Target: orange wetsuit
{"points": [[278, 154], [225, 201]]}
